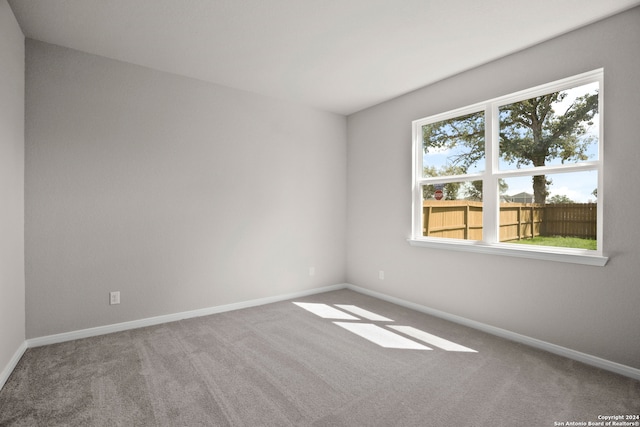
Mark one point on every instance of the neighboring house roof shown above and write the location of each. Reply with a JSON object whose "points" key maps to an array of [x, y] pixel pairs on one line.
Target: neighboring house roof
{"points": [[520, 196]]}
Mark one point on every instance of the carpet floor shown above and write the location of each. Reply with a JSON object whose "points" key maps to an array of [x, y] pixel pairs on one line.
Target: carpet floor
{"points": [[326, 363]]}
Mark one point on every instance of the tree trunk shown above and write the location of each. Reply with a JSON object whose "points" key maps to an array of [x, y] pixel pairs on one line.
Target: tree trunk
{"points": [[539, 181], [540, 189]]}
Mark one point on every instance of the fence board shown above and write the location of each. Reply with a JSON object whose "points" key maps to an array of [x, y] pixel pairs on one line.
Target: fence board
{"points": [[453, 219], [575, 219]]}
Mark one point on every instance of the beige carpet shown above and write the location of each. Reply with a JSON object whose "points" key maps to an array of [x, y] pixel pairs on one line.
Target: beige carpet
{"points": [[282, 365]]}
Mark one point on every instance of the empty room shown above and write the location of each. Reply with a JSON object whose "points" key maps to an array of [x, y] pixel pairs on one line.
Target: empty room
{"points": [[319, 213]]}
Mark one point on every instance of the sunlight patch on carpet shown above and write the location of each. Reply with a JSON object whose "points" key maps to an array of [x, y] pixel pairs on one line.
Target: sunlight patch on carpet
{"points": [[325, 311], [382, 337], [363, 313], [431, 339], [378, 334]]}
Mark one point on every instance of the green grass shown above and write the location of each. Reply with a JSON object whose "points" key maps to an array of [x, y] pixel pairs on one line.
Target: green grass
{"points": [[564, 242]]}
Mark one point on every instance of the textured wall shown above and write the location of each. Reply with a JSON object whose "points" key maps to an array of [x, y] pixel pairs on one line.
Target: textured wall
{"points": [[12, 315], [177, 193], [589, 309]]}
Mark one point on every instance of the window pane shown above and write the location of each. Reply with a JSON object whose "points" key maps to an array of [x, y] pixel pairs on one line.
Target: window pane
{"points": [[453, 210], [565, 214], [553, 129], [454, 146]]}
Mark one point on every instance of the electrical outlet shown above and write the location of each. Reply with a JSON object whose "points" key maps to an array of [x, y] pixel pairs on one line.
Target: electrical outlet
{"points": [[312, 271], [114, 297], [381, 274]]}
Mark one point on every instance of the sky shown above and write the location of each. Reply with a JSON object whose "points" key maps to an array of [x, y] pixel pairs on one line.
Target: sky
{"points": [[577, 186]]}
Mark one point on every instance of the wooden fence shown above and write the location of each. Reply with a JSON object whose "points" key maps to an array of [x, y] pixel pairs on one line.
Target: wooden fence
{"points": [[571, 219], [462, 219]]}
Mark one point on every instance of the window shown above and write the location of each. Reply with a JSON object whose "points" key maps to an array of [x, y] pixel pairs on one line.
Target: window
{"points": [[518, 175]]}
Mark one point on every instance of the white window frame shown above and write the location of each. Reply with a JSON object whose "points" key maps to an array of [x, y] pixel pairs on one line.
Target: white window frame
{"points": [[491, 202]]}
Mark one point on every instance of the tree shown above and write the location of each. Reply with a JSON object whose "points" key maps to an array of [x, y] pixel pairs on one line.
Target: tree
{"points": [[472, 190], [531, 133], [450, 189], [475, 189], [560, 199], [464, 131]]}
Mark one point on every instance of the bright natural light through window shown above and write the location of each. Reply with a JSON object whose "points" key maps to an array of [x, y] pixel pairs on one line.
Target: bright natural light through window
{"points": [[517, 175], [382, 334]]}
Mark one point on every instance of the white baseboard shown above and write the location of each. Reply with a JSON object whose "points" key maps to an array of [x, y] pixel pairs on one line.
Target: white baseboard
{"points": [[6, 372], [588, 359], [503, 333], [150, 321]]}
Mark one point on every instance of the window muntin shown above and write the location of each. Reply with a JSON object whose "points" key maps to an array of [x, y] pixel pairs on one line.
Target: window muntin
{"points": [[581, 162]]}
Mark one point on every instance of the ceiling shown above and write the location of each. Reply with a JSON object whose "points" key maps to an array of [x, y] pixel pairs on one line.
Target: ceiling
{"points": [[335, 55]]}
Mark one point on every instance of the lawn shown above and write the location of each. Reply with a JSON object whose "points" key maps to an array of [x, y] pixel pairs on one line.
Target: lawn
{"points": [[565, 242]]}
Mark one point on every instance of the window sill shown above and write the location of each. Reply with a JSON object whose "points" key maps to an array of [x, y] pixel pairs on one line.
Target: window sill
{"points": [[546, 253]]}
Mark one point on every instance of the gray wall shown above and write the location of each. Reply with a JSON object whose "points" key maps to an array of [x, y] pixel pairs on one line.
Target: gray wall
{"points": [[589, 309], [184, 195], [12, 314], [177, 193]]}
